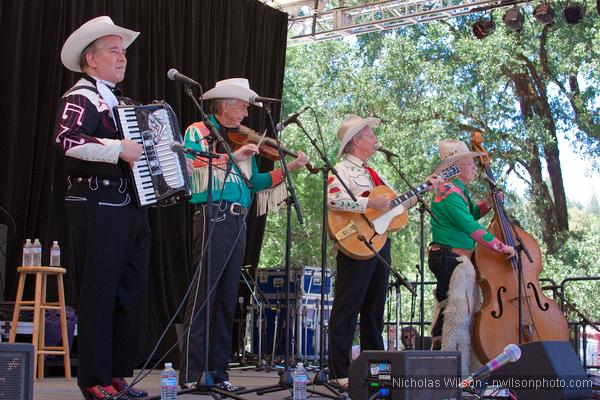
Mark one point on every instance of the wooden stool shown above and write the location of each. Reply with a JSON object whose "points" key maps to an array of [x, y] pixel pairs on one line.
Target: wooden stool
{"points": [[39, 305]]}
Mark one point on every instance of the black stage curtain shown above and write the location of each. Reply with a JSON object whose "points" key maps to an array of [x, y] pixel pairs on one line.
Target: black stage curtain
{"points": [[209, 40]]}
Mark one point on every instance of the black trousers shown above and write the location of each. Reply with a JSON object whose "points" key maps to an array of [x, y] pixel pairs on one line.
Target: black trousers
{"points": [[360, 287], [111, 248], [225, 271], [442, 263]]}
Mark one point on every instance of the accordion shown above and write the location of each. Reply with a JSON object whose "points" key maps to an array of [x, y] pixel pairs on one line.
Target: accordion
{"points": [[160, 176]]}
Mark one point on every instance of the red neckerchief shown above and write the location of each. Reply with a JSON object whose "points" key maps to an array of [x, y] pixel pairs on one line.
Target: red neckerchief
{"points": [[376, 179]]}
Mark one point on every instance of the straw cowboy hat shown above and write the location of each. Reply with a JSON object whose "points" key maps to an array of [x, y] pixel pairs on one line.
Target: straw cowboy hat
{"points": [[351, 126], [453, 150], [234, 88], [86, 34]]}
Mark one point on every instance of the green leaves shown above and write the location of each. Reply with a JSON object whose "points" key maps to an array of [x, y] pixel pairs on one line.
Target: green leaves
{"points": [[435, 81]]}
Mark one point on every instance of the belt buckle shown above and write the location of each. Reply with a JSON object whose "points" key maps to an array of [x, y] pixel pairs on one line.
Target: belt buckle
{"points": [[235, 209]]}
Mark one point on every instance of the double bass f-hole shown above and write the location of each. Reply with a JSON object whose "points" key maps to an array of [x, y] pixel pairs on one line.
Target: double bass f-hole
{"points": [[544, 307], [500, 306]]}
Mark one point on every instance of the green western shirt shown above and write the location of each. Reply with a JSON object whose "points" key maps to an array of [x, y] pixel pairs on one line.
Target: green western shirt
{"points": [[457, 216], [234, 190]]}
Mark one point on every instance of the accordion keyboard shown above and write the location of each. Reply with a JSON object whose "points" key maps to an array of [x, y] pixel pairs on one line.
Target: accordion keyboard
{"points": [[160, 175]]}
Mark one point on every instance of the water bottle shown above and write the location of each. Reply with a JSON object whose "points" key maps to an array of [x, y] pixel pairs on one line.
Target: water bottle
{"points": [[55, 254], [27, 250], [36, 253], [300, 381], [168, 383]]}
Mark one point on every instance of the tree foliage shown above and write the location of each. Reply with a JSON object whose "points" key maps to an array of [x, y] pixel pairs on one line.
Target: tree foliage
{"points": [[523, 90]]}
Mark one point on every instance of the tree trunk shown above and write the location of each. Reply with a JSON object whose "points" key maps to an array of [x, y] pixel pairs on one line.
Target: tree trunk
{"points": [[558, 189], [542, 200], [544, 207], [541, 107]]}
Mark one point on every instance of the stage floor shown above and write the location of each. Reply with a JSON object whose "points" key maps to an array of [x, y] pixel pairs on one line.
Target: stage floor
{"points": [[56, 388]]}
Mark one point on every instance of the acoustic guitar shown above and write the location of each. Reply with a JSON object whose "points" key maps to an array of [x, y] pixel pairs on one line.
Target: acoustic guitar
{"points": [[344, 227]]}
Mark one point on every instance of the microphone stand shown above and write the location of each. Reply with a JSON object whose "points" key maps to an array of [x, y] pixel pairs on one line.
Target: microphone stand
{"points": [[255, 293], [322, 375], [422, 208], [285, 380], [520, 247], [400, 279], [205, 384], [519, 262]]}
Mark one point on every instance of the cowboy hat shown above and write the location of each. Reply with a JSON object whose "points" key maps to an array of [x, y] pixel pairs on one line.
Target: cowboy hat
{"points": [[234, 88], [86, 34], [451, 150], [351, 126]]}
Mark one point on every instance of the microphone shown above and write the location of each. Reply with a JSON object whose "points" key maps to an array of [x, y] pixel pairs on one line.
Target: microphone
{"points": [[385, 151], [260, 99], [511, 353], [178, 148], [292, 118], [175, 75]]}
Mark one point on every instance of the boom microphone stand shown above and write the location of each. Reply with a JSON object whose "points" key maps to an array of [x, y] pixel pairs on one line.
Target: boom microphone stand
{"points": [[400, 279], [422, 208], [205, 383], [205, 251], [322, 376], [518, 262], [285, 379]]}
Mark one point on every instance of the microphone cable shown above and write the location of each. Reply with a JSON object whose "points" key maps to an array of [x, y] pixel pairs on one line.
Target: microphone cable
{"points": [[142, 374]]}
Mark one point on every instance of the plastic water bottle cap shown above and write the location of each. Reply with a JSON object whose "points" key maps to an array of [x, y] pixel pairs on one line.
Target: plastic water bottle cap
{"points": [[55, 243], [168, 365]]}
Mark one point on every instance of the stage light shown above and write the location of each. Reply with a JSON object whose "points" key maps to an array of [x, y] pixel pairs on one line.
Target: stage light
{"points": [[484, 26], [573, 13], [514, 19], [544, 13]]}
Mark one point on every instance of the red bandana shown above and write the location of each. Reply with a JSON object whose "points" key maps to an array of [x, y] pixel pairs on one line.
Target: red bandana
{"points": [[376, 179]]}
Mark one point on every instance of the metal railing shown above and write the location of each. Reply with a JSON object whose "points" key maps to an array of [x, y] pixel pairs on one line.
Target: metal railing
{"points": [[578, 327]]}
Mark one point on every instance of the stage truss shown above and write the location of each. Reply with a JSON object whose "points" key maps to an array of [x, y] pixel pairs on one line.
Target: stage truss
{"points": [[317, 20]]}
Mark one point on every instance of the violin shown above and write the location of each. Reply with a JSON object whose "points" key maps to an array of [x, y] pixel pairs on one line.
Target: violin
{"points": [[268, 148], [511, 302]]}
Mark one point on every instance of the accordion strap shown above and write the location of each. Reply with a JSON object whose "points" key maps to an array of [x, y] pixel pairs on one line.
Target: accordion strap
{"points": [[75, 88]]}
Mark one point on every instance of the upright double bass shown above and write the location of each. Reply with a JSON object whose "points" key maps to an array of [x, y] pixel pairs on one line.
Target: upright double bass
{"points": [[501, 320]]}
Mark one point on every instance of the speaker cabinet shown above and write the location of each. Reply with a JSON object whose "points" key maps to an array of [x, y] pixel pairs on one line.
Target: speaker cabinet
{"points": [[414, 375], [546, 370], [16, 371], [3, 252]]}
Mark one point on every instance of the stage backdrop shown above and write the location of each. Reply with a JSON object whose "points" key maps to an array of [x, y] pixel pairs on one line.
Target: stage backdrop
{"points": [[208, 40]]}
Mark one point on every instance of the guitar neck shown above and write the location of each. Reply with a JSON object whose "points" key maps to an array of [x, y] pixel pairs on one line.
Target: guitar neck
{"points": [[410, 194]]}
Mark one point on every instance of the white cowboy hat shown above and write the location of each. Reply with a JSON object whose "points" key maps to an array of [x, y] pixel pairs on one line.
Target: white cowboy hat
{"points": [[453, 150], [351, 126], [86, 34], [234, 88]]}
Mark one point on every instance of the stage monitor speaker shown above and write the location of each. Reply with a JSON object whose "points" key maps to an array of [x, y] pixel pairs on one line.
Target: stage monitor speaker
{"points": [[414, 375], [3, 253], [547, 370], [16, 371]]}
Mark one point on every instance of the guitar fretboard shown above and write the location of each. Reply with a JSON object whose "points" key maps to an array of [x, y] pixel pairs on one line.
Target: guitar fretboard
{"points": [[446, 174], [411, 193]]}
